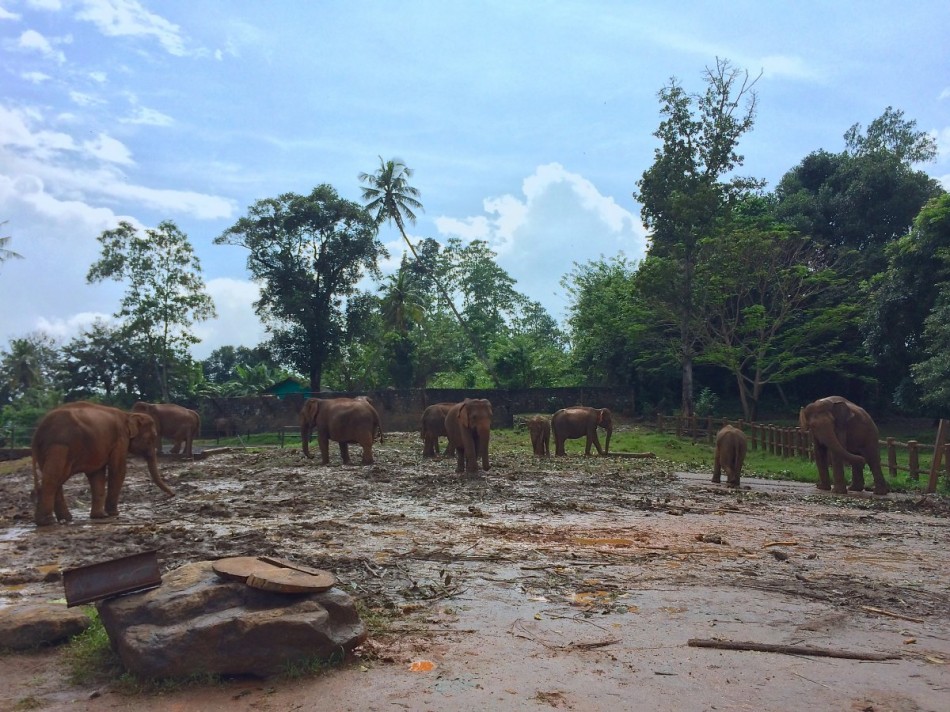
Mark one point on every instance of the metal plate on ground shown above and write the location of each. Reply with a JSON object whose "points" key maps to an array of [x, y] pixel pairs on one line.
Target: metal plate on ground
{"points": [[105, 579]]}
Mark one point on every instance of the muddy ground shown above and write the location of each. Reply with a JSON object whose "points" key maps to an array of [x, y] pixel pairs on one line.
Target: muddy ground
{"points": [[569, 583]]}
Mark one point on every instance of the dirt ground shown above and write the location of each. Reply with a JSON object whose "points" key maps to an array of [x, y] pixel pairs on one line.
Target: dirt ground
{"points": [[571, 583]]}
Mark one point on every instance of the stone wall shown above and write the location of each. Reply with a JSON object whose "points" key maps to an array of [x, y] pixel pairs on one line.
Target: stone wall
{"points": [[401, 410]]}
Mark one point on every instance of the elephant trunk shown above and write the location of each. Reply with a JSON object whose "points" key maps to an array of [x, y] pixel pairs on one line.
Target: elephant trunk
{"points": [[305, 430], [610, 431], [151, 460], [838, 450]]}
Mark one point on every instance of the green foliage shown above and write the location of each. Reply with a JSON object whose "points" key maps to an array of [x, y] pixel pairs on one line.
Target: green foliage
{"points": [[5, 252], [706, 402], [165, 292], [308, 253], [89, 656]]}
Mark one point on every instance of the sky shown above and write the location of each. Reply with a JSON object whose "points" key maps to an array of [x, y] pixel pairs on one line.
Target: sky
{"points": [[527, 124]]}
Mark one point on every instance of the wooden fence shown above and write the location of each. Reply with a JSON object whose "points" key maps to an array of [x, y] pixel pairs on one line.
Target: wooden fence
{"points": [[796, 443]]}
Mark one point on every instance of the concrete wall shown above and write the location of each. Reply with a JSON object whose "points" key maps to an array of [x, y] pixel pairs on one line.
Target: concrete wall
{"points": [[401, 410]]}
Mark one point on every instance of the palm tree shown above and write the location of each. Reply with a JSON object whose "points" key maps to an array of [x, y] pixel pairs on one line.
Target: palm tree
{"points": [[389, 197], [6, 254]]}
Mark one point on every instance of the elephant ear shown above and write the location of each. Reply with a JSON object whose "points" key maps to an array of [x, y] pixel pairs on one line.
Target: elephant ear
{"points": [[309, 413], [463, 415], [842, 413], [133, 424], [600, 415]]}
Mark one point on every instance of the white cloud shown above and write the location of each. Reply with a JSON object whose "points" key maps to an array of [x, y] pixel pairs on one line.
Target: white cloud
{"points": [[31, 40], [127, 18], [82, 99], [36, 77], [945, 94], [560, 218], [99, 77], [108, 149], [236, 323], [148, 117], [942, 137], [52, 5], [7, 15], [63, 329]]}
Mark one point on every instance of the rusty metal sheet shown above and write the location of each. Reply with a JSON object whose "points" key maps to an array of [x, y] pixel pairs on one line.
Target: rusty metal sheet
{"points": [[105, 579]]}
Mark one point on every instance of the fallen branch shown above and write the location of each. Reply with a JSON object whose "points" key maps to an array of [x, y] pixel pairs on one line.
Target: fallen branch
{"points": [[889, 614], [787, 649], [780, 543]]}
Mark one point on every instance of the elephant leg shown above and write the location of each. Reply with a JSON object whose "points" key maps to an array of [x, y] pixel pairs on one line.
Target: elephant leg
{"points": [[345, 453], [837, 473], [324, 448], [559, 446], [60, 507], [596, 442], [857, 478], [459, 459], [97, 485], [880, 484], [427, 448], [717, 467], [176, 448], [486, 465], [821, 460], [368, 450], [114, 487]]}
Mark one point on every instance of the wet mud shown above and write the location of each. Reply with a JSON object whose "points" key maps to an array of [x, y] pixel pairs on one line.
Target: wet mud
{"points": [[572, 583]]}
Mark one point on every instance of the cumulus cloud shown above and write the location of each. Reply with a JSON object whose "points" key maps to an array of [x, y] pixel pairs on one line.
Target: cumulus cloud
{"points": [[236, 323], [108, 149], [148, 117], [36, 77], [559, 218], [127, 18], [7, 15]]}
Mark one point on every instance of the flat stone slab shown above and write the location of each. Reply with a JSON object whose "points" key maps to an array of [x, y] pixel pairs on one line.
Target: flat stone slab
{"points": [[35, 624]]}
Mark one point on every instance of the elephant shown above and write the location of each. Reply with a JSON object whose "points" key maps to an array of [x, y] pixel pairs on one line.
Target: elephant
{"points": [[468, 427], [94, 439], [433, 427], [540, 429], [843, 432], [731, 448], [343, 420], [225, 427], [174, 422], [578, 421]]}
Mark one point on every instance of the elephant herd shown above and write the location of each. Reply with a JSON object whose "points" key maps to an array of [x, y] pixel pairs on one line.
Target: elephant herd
{"points": [[96, 440], [841, 432]]}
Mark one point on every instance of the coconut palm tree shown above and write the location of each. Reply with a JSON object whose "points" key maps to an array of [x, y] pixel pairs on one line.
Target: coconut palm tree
{"points": [[388, 196], [6, 254]]}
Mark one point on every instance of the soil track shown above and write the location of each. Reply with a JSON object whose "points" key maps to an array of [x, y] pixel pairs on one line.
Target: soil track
{"points": [[569, 583]]}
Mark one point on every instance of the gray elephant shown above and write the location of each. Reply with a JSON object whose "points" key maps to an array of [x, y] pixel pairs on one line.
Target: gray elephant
{"points": [[174, 422], [843, 432], [731, 449], [343, 420], [579, 422]]}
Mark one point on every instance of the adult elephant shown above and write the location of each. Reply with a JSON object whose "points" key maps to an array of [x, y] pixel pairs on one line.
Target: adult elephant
{"points": [[540, 429], [343, 420], [580, 421], [94, 439], [433, 427], [468, 427], [177, 423], [843, 433]]}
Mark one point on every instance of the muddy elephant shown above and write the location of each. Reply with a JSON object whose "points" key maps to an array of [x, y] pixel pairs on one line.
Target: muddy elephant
{"points": [[540, 429], [174, 422], [343, 420], [433, 427], [731, 448], [580, 421], [225, 427], [468, 427], [94, 439], [843, 432]]}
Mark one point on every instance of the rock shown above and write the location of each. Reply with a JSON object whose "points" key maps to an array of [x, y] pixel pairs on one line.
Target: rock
{"points": [[197, 623], [34, 624]]}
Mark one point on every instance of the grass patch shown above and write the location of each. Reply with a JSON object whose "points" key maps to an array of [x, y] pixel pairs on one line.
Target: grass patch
{"points": [[28, 703], [89, 655]]}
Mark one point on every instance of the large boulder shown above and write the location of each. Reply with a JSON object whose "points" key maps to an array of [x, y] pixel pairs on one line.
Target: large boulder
{"points": [[35, 624], [197, 622]]}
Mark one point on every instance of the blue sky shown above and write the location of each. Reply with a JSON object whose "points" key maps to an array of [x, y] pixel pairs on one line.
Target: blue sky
{"points": [[527, 124]]}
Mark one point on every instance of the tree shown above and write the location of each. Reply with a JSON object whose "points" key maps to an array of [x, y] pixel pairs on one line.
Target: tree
{"points": [[165, 294], [307, 253], [29, 365], [682, 194], [389, 196], [221, 364], [98, 363], [759, 291]]}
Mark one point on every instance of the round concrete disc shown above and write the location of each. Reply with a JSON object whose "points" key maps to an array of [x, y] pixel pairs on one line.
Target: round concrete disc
{"points": [[291, 581], [238, 567]]}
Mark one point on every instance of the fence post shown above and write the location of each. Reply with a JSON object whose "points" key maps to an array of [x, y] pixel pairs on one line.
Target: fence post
{"points": [[891, 457], [913, 465], [659, 422], [771, 437]]}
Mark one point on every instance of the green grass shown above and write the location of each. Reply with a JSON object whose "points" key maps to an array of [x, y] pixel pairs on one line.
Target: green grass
{"points": [[89, 655]]}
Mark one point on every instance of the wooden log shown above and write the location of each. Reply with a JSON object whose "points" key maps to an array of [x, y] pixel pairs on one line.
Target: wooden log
{"points": [[891, 457], [787, 649]]}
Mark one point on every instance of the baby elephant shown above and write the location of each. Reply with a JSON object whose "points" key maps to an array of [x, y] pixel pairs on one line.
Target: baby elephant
{"points": [[730, 454], [540, 429]]}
